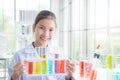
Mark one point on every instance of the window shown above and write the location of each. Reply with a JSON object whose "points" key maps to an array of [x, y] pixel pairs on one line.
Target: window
{"points": [[87, 23], [7, 21], [16, 14]]}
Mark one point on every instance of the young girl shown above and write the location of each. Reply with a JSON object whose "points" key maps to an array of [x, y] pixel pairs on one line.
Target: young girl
{"points": [[44, 29]]}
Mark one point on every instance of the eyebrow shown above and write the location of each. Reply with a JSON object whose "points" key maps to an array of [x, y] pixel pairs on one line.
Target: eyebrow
{"points": [[45, 26], [41, 25]]}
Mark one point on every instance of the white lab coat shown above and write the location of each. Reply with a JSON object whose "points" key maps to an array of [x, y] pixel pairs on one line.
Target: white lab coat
{"points": [[30, 52]]}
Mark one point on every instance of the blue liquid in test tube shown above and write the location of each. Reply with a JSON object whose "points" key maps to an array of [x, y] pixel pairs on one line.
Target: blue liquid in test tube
{"points": [[50, 66], [117, 76]]}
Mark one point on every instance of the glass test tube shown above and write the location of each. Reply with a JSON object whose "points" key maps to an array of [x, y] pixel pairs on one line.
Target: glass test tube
{"points": [[82, 66], [62, 66], [44, 64], [93, 75], [57, 64], [109, 61], [37, 67], [50, 66], [88, 68], [30, 67]]}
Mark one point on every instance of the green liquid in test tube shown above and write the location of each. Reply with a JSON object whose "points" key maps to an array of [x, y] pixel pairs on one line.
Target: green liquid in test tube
{"points": [[44, 65]]}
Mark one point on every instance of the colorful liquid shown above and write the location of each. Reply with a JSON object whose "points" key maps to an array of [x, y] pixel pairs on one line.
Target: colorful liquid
{"points": [[93, 75], [88, 68], [82, 66], [117, 76], [37, 67], [44, 67], [109, 61], [62, 66], [50, 66], [30, 67], [57, 69]]}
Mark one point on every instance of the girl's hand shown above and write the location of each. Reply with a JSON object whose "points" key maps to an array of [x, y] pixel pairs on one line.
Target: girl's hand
{"points": [[71, 69], [18, 70]]}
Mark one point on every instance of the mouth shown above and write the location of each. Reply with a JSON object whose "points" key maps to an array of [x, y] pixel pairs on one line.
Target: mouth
{"points": [[43, 39]]}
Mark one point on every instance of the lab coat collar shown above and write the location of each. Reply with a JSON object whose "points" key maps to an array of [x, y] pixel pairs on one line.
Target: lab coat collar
{"points": [[30, 49]]}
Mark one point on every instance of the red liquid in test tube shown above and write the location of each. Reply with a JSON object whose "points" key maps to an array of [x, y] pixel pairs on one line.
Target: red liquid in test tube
{"points": [[30, 67], [82, 66]]}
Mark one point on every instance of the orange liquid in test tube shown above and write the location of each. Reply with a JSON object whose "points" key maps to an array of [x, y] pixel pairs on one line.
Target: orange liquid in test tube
{"points": [[93, 75], [30, 67], [62, 66]]}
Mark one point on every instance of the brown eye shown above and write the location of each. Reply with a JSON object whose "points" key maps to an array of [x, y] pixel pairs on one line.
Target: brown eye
{"points": [[51, 29], [41, 27]]}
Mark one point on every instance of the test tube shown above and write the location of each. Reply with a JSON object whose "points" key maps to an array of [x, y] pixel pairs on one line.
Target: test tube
{"points": [[93, 75], [37, 67], [62, 66], [30, 67], [109, 61], [109, 67], [82, 66], [50, 66], [44, 64], [88, 68], [56, 64]]}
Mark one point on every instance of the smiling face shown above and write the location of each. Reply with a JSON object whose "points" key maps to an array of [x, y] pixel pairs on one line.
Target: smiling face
{"points": [[44, 31]]}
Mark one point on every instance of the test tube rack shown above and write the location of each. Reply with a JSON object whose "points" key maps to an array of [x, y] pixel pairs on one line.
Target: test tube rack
{"points": [[46, 67]]}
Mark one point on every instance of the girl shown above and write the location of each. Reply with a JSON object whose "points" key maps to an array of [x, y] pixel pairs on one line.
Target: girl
{"points": [[44, 29]]}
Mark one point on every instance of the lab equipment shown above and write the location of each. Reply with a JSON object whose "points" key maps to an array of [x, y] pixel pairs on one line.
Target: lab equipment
{"points": [[45, 67]]}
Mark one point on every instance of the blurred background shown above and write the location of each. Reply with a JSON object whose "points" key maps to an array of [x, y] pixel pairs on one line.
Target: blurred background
{"points": [[82, 25]]}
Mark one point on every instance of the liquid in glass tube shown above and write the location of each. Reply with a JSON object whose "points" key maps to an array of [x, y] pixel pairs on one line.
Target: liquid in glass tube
{"points": [[44, 65], [62, 66], [57, 70], [50, 66], [30, 67], [37, 67], [82, 68], [93, 75], [88, 68], [109, 61]]}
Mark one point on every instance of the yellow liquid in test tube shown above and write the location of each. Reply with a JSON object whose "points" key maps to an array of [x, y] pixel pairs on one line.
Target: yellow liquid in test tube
{"points": [[109, 61], [37, 68]]}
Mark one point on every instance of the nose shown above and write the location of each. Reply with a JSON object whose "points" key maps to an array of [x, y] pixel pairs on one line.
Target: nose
{"points": [[46, 33]]}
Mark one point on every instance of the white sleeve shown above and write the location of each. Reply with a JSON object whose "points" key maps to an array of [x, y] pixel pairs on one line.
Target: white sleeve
{"points": [[15, 59], [60, 77]]}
